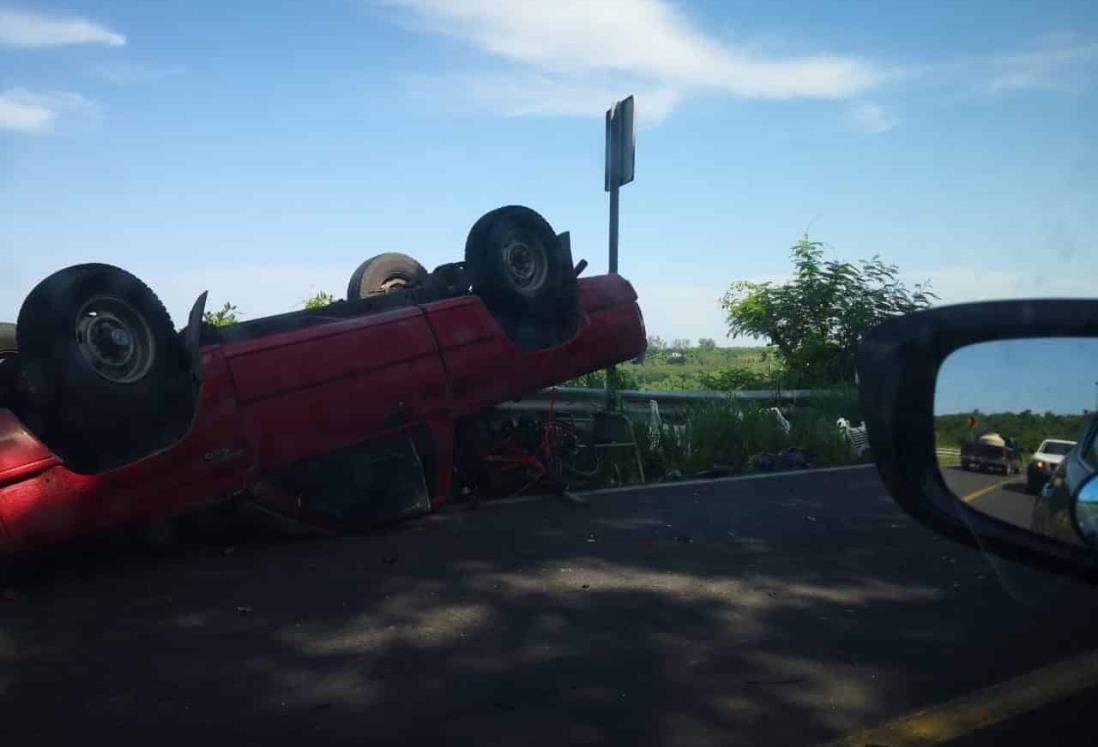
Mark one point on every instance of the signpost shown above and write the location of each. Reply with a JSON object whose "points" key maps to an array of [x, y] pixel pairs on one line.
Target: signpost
{"points": [[620, 152], [620, 156]]}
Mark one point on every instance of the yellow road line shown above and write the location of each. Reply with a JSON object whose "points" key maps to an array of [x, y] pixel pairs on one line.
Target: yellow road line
{"points": [[983, 491], [983, 708]]}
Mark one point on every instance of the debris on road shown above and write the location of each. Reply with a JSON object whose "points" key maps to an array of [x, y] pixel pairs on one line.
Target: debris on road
{"points": [[713, 472], [573, 499], [795, 457]]}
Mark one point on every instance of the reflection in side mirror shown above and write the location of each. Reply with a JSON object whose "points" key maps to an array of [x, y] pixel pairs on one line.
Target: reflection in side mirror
{"points": [[1008, 418], [1086, 511]]}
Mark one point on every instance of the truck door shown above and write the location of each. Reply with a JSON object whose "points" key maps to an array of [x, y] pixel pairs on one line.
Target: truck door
{"points": [[312, 391]]}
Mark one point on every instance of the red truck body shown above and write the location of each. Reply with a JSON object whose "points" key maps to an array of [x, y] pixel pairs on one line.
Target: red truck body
{"points": [[272, 401]]}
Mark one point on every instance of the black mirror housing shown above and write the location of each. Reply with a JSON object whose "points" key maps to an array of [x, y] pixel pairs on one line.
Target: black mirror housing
{"points": [[897, 366]]}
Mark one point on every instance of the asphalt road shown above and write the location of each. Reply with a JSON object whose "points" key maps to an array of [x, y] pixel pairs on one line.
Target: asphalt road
{"points": [[786, 610], [1002, 496]]}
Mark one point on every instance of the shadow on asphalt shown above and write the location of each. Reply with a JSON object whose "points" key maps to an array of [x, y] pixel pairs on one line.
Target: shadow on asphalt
{"points": [[657, 618]]}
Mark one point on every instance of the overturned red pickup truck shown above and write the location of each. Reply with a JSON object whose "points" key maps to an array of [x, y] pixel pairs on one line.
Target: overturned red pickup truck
{"points": [[109, 416]]}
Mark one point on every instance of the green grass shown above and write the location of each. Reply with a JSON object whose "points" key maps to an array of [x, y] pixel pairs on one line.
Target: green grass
{"points": [[730, 434], [659, 373], [698, 370]]}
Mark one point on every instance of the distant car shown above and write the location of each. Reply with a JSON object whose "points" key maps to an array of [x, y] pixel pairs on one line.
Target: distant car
{"points": [[1045, 461], [1053, 509], [991, 451]]}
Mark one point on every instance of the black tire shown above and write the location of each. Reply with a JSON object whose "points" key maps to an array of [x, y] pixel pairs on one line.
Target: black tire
{"points": [[8, 346], [385, 273], [102, 372], [514, 262]]}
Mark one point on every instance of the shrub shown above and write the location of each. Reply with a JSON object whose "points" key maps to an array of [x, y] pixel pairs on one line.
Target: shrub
{"points": [[730, 433], [319, 300], [226, 315], [731, 378]]}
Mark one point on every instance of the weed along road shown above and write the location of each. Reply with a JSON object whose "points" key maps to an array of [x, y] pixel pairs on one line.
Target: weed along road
{"points": [[790, 609]]}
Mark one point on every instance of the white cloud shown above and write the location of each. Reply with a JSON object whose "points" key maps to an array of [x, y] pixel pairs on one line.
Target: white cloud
{"points": [[646, 44], [681, 310], [257, 290], [539, 95], [685, 310], [126, 73], [24, 29], [871, 119], [959, 284], [1061, 63], [692, 310], [27, 112], [1063, 67], [23, 116]]}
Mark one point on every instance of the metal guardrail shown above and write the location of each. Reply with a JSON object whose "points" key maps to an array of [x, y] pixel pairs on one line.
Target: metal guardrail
{"points": [[948, 452], [575, 399]]}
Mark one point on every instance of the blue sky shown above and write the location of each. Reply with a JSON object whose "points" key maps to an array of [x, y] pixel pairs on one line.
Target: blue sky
{"points": [[1058, 374], [261, 150]]}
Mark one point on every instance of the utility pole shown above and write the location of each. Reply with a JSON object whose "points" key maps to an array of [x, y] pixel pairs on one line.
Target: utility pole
{"points": [[620, 153]]}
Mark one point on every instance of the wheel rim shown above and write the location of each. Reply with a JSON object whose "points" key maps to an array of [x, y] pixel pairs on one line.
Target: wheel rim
{"points": [[395, 283], [115, 340], [526, 265]]}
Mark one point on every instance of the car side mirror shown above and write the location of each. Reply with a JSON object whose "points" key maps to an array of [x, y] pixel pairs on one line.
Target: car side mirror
{"points": [[981, 418]]}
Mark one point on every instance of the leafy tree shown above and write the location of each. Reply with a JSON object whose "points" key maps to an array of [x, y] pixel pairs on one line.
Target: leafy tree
{"points": [[815, 319], [319, 300], [731, 378], [1028, 429], [680, 344], [707, 344], [656, 344], [227, 314]]}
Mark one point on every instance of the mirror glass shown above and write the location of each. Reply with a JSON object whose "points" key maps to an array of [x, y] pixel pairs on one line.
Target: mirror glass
{"points": [[1086, 511], [1008, 419]]}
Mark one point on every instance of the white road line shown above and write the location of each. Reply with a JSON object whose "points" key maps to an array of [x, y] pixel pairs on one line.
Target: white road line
{"points": [[678, 484]]}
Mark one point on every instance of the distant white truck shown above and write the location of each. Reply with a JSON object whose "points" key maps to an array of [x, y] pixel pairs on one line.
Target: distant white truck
{"points": [[1045, 461]]}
